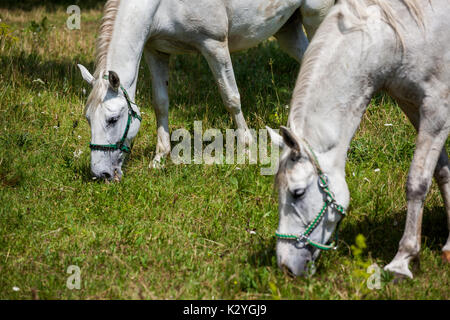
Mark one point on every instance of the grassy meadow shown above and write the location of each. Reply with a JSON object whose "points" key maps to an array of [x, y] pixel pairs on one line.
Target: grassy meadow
{"points": [[184, 231]]}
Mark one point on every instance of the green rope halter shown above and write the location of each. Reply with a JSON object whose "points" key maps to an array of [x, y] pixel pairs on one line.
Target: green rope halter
{"points": [[120, 145], [329, 202]]}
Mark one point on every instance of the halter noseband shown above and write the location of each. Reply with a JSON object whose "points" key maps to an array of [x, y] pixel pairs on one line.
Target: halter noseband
{"points": [[330, 201], [120, 145]]}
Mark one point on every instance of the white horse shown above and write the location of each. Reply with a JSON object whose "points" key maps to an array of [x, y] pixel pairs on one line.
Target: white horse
{"points": [[160, 28], [363, 46]]}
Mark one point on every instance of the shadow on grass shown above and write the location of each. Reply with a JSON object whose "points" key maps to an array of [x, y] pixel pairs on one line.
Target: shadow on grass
{"points": [[263, 74], [50, 5], [265, 77], [382, 236], [263, 253], [58, 75], [83, 171]]}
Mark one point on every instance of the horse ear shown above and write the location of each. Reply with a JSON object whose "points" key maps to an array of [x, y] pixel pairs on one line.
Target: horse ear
{"points": [[114, 80], [87, 76], [276, 138], [290, 139]]}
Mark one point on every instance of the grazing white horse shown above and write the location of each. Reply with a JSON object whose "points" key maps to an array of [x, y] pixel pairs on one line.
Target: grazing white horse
{"points": [[362, 47], [160, 28]]}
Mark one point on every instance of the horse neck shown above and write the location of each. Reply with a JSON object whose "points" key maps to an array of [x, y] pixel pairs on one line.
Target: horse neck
{"points": [[339, 75], [130, 33]]}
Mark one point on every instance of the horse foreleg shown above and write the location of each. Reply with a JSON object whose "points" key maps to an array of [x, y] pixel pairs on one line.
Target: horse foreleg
{"points": [[291, 37], [429, 146], [158, 64], [218, 57], [442, 176]]}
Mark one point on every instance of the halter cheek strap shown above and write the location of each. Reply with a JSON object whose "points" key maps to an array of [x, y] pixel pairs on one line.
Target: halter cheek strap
{"points": [[120, 145], [329, 202]]}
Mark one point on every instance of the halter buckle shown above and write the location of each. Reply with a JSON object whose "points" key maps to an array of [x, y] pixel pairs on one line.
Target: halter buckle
{"points": [[300, 242], [323, 180]]}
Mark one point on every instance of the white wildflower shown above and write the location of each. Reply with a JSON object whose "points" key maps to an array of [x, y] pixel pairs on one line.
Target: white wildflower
{"points": [[38, 80], [77, 153]]}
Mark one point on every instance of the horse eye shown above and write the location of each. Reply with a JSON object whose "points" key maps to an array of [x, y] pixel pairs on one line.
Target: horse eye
{"points": [[298, 193], [295, 157], [112, 120]]}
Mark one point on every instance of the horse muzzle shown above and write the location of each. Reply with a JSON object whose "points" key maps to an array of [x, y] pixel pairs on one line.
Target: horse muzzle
{"points": [[293, 260]]}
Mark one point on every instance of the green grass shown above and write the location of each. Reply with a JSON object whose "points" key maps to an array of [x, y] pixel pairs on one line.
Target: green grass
{"points": [[182, 232]]}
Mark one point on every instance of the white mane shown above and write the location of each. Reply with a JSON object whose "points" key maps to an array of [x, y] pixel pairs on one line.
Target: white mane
{"points": [[104, 39], [352, 15]]}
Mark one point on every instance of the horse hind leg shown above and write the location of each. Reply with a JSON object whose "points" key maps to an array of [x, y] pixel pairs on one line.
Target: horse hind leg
{"points": [[158, 64], [218, 57], [442, 176], [291, 37]]}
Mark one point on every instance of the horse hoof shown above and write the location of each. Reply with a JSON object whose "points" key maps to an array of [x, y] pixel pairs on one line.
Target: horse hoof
{"points": [[446, 256], [401, 272]]}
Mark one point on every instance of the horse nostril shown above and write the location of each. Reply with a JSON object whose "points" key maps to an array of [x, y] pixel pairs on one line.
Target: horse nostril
{"points": [[106, 175]]}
